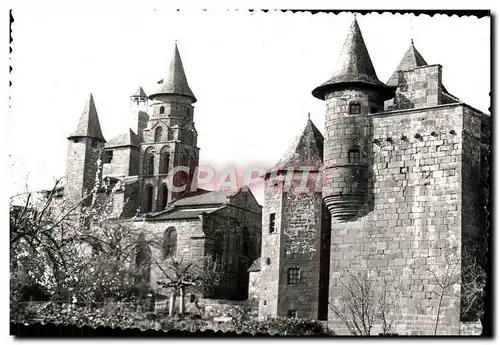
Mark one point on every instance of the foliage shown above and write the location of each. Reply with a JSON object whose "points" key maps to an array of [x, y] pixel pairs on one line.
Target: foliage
{"points": [[281, 326], [72, 252], [127, 317]]}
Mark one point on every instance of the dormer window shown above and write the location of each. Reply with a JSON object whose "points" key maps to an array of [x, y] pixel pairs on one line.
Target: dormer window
{"points": [[354, 108], [354, 156], [162, 110]]}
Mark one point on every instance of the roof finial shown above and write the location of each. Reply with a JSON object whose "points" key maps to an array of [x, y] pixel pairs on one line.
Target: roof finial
{"points": [[412, 41], [309, 115], [355, 15]]}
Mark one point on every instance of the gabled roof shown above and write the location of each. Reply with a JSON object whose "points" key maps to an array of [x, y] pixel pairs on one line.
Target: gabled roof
{"points": [[305, 151], [176, 82], [354, 66], [125, 139], [88, 125], [411, 60], [139, 93]]}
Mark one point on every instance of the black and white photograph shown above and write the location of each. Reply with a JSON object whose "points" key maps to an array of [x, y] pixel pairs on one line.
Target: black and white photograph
{"points": [[255, 172]]}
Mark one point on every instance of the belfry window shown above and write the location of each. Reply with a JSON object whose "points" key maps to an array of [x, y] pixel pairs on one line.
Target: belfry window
{"points": [[149, 199], [354, 108], [162, 110], [158, 133], [150, 164], [354, 156], [165, 163]]}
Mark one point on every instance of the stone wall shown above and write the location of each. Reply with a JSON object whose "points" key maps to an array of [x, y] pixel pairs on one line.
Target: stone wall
{"points": [[301, 240], [420, 87], [271, 249], [416, 213], [236, 230], [124, 162], [81, 167], [254, 287], [190, 241]]}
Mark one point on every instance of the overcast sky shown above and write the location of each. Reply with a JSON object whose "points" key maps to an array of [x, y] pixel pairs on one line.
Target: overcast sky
{"points": [[252, 74]]}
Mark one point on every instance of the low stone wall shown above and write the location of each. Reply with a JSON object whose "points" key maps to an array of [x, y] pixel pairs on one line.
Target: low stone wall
{"points": [[221, 308]]}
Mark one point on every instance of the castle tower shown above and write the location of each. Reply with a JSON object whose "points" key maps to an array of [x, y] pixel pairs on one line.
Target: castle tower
{"points": [[139, 111], [84, 153], [170, 140], [351, 94], [292, 232]]}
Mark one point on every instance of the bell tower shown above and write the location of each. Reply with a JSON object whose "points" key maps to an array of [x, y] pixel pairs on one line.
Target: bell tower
{"points": [[351, 94], [170, 140]]}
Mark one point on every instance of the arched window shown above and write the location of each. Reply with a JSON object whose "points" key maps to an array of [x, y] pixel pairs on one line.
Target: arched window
{"points": [[150, 164], [162, 110], [169, 243], [217, 251], [245, 244], [355, 108], [142, 260], [170, 134], [163, 197], [165, 161], [158, 133], [148, 206]]}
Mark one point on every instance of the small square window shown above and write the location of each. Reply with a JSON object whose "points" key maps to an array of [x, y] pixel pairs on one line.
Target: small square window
{"points": [[108, 156], [293, 275], [272, 223], [354, 108], [353, 156], [292, 313]]}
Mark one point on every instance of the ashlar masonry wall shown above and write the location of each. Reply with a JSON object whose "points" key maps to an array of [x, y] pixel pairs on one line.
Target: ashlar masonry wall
{"points": [[415, 217]]}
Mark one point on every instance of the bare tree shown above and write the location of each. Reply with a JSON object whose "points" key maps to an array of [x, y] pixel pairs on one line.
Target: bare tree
{"points": [[203, 275], [460, 277], [364, 300]]}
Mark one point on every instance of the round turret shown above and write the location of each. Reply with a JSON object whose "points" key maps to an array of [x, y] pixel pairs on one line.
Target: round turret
{"points": [[353, 92]]}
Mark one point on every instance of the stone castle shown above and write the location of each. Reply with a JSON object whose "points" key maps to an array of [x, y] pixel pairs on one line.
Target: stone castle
{"points": [[405, 162]]}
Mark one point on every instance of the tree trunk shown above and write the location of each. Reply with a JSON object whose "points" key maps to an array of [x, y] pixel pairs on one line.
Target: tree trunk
{"points": [[181, 301], [171, 306]]}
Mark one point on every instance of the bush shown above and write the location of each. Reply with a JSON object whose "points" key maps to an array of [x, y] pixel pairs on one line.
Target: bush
{"points": [[67, 313]]}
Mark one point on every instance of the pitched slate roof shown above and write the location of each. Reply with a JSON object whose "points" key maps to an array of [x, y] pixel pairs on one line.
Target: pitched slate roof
{"points": [[139, 93], [184, 213], [205, 197], [305, 151], [255, 267], [176, 82], [354, 66], [125, 139], [88, 125], [411, 60]]}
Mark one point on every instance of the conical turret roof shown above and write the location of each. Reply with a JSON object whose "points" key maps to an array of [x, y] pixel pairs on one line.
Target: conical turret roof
{"points": [[88, 125], [305, 151], [139, 93], [176, 81], [354, 66], [411, 60]]}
